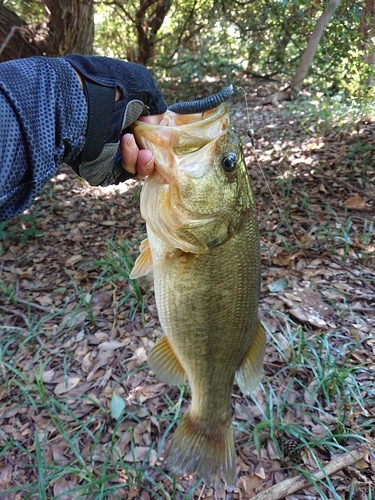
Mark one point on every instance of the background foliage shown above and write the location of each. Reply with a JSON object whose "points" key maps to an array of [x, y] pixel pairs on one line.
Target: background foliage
{"points": [[196, 40]]}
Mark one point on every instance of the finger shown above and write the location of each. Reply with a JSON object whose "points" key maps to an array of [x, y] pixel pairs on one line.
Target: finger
{"points": [[129, 153], [156, 119], [145, 163]]}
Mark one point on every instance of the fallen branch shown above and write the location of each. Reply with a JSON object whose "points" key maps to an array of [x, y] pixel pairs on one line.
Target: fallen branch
{"points": [[9, 36], [294, 484], [32, 304], [348, 185]]}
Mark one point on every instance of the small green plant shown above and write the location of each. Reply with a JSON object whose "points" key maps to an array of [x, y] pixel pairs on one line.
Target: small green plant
{"points": [[3, 232], [305, 204], [84, 299], [344, 236], [285, 184], [116, 268], [8, 292], [23, 228], [340, 236], [367, 239]]}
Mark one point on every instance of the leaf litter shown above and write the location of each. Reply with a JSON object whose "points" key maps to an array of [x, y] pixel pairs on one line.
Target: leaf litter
{"points": [[76, 333]]}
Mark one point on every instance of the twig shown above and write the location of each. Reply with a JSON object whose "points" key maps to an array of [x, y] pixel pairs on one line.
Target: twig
{"points": [[294, 484], [32, 304], [9, 36], [16, 313], [115, 225], [202, 490], [349, 270], [348, 185]]}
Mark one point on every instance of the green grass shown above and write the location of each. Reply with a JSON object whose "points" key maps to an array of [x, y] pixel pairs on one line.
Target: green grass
{"points": [[95, 475], [116, 267], [321, 368], [95, 463], [317, 366]]}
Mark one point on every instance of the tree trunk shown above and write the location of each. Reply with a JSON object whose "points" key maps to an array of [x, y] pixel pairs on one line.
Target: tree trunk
{"points": [[147, 27], [367, 29], [69, 27], [17, 39], [312, 45]]}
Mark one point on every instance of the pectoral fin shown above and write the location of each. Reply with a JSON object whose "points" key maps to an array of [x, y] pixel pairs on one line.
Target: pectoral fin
{"points": [[250, 372], [163, 361], [143, 264]]}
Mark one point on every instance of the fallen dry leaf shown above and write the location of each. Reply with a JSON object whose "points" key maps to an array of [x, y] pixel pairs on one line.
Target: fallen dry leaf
{"points": [[137, 454], [249, 485], [308, 307], [48, 376], [5, 476], [67, 385], [73, 259], [111, 345], [355, 203], [61, 486]]}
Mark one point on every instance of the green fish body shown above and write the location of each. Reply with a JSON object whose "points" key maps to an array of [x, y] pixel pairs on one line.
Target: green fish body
{"points": [[203, 248]]}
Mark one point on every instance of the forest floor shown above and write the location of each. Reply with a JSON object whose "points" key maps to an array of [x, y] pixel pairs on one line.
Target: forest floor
{"points": [[81, 415]]}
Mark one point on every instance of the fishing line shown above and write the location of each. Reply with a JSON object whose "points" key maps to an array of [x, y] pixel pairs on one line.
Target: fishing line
{"points": [[250, 133]]}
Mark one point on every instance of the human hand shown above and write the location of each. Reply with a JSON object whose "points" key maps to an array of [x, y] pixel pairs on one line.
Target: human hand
{"points": [[139, 162], [118, 93]]}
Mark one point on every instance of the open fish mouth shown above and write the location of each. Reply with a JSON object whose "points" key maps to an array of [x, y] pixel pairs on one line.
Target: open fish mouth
{"points": [[184, 139], [191, 200]]}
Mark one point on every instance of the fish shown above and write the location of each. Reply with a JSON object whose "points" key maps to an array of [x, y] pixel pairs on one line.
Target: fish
{"points": [[203, 248]]}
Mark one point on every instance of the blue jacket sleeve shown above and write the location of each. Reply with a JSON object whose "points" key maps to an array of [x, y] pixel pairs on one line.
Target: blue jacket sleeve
{"points": [[43, 118]]}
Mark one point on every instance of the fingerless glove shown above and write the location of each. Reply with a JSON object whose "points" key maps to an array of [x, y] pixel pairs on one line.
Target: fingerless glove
{"points": [[100, 162]]}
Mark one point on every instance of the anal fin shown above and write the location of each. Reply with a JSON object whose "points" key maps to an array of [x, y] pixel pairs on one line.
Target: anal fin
{"points": [[163, 361], [250, 372], [143, 264]]}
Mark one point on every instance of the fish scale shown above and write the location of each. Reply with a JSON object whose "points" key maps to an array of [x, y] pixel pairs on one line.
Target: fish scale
{"points": [[203, 248]]}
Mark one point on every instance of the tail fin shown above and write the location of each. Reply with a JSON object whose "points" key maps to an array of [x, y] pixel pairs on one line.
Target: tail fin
{"points": [[208, 453]]}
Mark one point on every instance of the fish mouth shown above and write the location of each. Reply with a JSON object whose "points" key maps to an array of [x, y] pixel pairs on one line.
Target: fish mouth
{"points": [[183, 142], [174, 201]]}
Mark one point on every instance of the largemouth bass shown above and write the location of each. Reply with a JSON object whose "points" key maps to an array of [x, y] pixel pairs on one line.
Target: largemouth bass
{"points": [[203, 248]]}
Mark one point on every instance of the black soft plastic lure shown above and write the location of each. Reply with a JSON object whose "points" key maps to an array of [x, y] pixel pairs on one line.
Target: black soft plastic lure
{"points": [[202, 105]]}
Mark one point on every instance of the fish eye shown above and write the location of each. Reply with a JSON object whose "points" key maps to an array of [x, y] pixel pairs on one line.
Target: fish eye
{"points": [[229, 162]]}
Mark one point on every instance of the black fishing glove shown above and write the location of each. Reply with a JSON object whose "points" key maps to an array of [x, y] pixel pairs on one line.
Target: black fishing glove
{"points": [[100, 162]]}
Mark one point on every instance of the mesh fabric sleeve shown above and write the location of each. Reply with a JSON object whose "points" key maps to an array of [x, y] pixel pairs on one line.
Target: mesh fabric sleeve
{"points": [[43, 119]]}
